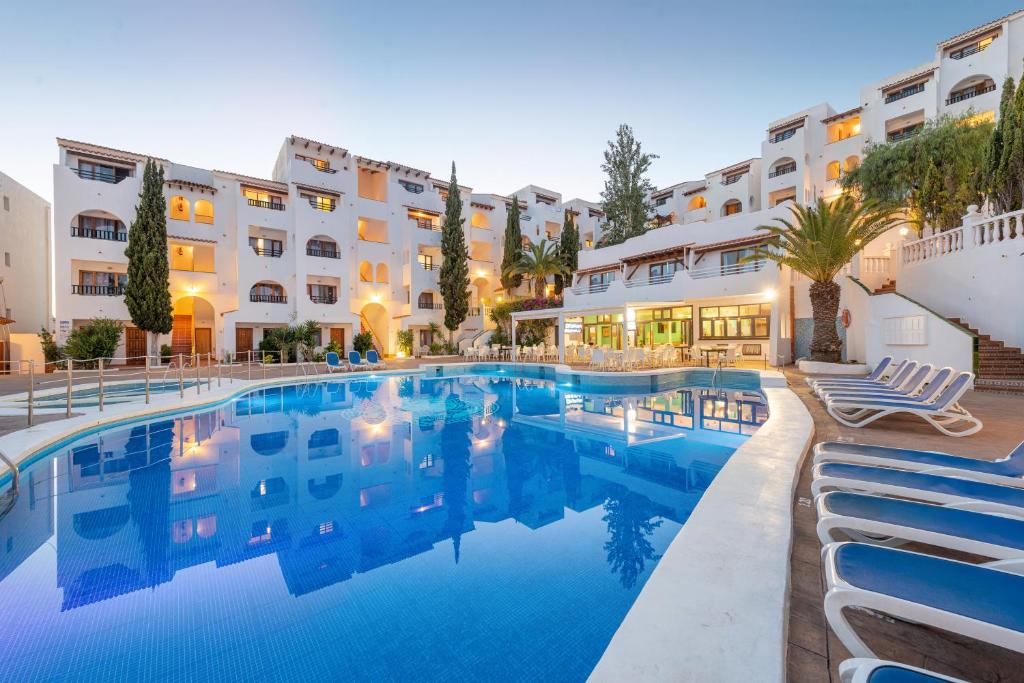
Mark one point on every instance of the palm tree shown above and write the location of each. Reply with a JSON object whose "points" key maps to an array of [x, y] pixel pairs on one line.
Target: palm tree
{"points": [[538, 261], [818, 242]]}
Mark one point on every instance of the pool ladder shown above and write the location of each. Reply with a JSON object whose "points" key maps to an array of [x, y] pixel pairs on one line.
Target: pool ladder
{"points": [[9, 497]]}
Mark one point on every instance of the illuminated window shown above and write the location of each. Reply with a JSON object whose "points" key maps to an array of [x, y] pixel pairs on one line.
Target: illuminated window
{"points": [[731, 207], [179, 208], [735, 322], [832, 170], [697, 202], [851, 163], [366, 272], [204, 211], [382, 272]]}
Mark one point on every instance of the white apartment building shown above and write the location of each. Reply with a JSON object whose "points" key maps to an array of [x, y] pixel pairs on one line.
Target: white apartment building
{"points": [[24, 271], [351, 242]]}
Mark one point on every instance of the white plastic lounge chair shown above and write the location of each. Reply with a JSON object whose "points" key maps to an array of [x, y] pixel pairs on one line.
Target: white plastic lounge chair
{"points": [[893, 381], [334, 363], [911, 388], [942, 412], [1008, 471], [892, 521], [374, 360], [974, 601], [887, 379], [356, 362], [864, 670], [882, 370], [965, 494]]}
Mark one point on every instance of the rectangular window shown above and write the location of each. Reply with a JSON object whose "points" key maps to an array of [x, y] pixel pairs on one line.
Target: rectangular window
{"points": [[266, 247], [262, 199], [414, 188], [103, 172], [599, 280], [7, 260], [733, 260], [318, 164], [735, 322], [425, 260], [7, 203], [319, 202], [322, 294]]}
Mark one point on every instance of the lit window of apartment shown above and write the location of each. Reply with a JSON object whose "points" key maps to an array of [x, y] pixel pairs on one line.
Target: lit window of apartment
{"points": [[841, 130], [733, 206], [267, 292], [197, 258], [204, 211], [832, 170], [972, 47], [100, 228], [424, 220], [263, 199], [697, 202], [372, 184], [100, 283], [264, 246], [322, 294], [319, 202], [426, 261], [408, 186], [318, 164], [749, 321], [180, 208]]}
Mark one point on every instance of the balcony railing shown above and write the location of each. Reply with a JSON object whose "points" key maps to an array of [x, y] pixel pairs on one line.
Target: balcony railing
{"points": [[906, 92], [430, 266], [903, 134], [591, 288], [322, 204], [652, 280], [729, 180], [268, 298], [784, 135], [98, 290], [111, 235], [425, 306], [322, 253], [322, 167], [427, 225], [473, 311], [269, 252], [725, 271], [264, 204], [319, 299], [969, 93], [102, 176], [782, 170], [969, 50]]}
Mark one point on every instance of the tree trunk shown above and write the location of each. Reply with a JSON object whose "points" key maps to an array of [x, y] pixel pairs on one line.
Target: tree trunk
{"points": [[539, 285], [825, 343]]}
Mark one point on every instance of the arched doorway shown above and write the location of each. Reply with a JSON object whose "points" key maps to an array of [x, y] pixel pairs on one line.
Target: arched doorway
{"points": [[193, 327], [374, 318], [483, 291]]}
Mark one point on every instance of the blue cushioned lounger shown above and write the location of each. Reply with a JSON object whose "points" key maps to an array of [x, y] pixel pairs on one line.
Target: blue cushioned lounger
{"points": [[861, 670], [883, 369], [978, 602], [919, 382], [889, 521]]}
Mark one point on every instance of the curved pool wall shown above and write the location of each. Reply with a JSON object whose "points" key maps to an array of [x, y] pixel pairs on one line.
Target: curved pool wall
{"points": [[697, 610]]}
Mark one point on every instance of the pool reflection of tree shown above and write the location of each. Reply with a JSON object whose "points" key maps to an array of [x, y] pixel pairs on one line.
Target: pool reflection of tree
{"points": [[455, 445], [630, 520]]}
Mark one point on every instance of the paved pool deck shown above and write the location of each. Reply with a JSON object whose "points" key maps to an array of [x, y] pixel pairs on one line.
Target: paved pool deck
{"points": [[814, 652]]}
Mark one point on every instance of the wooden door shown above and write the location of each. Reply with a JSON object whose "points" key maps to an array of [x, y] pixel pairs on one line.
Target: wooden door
{"points": [[204, 340], [135, 345], [338, 336], [181, 335], [243, 340]]}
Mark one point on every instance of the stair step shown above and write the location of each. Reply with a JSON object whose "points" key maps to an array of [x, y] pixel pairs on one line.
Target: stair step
{"points": [[1000, 386]]}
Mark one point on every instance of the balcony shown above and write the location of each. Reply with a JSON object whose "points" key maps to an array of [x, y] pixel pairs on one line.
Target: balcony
{"points": [[904, 133], [270, 252], [905, 92], [430, 306], [90, 233], [322, 253], [473, 312], [98, 290], [649, 281], [970, 49], [322, 203], [320, 299], [724, 271], [268, 298], [968, 93], [103, 176], [782, 170], [784, 135], [265, 204], [731, 180]]}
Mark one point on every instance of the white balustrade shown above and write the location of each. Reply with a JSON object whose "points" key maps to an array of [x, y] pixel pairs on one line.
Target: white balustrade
{"points": [[984, 230]]}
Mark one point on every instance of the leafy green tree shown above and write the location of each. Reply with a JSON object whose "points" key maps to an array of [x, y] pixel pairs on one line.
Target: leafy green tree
{"points": [[454, 275], [934, 175], [1004, 193], [147, 293], [538, 262], [818, 242], [1011, 164], [568, 252], [512, 248], [363, 342], [626, 195], [96, 339], [405, 339]]}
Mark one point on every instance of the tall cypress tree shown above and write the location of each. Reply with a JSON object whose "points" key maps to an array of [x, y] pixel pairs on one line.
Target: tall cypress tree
{"points": [[454, 275], [568, 251], [626, 195], [147, 293], [512, 249], [995, 182]]}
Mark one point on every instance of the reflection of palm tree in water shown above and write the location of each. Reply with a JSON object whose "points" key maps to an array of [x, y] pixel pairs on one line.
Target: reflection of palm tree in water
{"points": [[148, 452], [455, 446], [628, 516]]}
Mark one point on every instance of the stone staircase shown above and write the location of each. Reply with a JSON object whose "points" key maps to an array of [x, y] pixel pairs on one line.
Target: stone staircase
{"points": [[1000, 367], [888, 287]]}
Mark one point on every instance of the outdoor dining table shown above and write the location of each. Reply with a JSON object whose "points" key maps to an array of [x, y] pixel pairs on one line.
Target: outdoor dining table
{"points": [[708, 350]]}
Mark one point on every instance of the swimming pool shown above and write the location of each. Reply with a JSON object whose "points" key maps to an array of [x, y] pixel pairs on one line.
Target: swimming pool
{"points": [[406, 528]]}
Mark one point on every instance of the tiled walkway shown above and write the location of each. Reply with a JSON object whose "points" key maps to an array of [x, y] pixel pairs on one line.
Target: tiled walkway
{"points": [[814, 651]]}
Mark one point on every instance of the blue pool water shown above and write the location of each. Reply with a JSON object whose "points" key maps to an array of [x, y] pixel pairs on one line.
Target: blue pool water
{"points": [[459, 528]]}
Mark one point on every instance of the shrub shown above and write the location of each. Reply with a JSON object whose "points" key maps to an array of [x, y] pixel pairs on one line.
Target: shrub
{"points": [[334, 347], [405, 341], [165, 353], [96, 339], [51, 352], [363, 342], [435, 349]]}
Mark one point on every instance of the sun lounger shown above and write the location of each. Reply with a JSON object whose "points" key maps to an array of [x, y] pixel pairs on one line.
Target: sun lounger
{"points": [[962, 598], [915, 384], [356, 362], [894, 381], [1008, 471], [866, 670], [877, 374], [334, 363], [961, 493], [374, 360], [943, 412], [892, 521]]}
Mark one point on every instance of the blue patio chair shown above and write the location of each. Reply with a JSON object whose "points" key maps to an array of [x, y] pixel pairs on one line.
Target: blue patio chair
{"points": [[334, 363], [374, 360], [355, 361]]}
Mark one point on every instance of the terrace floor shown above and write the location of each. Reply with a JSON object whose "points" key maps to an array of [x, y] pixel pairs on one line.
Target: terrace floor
{"points": [[814, 651]]}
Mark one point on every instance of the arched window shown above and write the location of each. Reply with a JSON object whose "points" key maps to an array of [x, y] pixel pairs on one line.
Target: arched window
{"points": [[851, 163], [267, 293], [382, 272], [366, 272], [697, 202], [204, 211], [731, 207], [179, 208], [479, 220], [832, 170], [426, 300]]}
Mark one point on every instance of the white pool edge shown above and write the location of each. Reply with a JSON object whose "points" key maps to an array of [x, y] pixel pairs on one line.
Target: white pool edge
{"points": [[715, 606]]}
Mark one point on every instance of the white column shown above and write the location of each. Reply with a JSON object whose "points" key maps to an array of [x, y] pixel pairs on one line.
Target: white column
{"points": [[514, 356], [560, 338], [625, 329]]}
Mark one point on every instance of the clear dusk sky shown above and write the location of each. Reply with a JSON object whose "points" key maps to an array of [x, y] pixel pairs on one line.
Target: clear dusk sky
{"points": [[516, 93]]}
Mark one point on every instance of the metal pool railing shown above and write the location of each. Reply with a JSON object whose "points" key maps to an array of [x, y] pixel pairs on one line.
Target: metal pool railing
{"points": [[95, 381]]}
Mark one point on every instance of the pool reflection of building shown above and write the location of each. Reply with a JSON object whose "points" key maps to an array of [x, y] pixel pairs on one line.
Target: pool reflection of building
{"points": [[338, 479]]}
